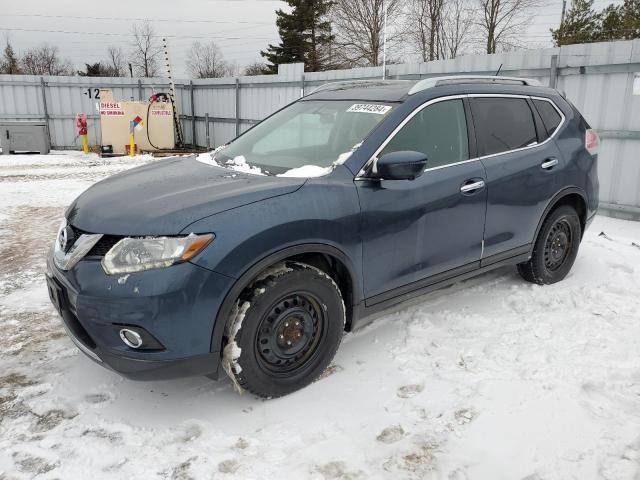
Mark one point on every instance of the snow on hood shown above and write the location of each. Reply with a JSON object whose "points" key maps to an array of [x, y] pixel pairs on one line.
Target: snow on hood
{"points": [[239, 164], [307, 171], [210, 157], [311, 171], [207, 158]]}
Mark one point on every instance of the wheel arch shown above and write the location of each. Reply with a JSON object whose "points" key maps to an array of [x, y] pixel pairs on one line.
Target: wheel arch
{"points": [[325, 257], [572, 196]]}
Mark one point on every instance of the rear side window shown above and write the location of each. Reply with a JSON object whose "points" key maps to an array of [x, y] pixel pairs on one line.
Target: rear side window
{"points": [[550, 116], [502, 124], [439, 131]]}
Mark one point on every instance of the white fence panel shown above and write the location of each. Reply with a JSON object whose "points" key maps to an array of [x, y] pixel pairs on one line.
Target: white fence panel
{"points": [[598, 78]]}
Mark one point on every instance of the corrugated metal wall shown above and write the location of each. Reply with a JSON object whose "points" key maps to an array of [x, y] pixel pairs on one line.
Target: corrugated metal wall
{"points": [[598, 78]]}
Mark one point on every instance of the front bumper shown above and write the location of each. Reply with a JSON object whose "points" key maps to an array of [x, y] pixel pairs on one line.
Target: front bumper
{"points": [[176, 306]]}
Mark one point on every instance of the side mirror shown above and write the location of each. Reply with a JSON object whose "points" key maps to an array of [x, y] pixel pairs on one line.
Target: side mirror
{"points": [[403, 165]]}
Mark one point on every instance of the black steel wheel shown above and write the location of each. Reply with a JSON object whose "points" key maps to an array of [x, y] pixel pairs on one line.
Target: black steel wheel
{"points": [[555, 249], [287, 327], [289, 335], [558, 245]]}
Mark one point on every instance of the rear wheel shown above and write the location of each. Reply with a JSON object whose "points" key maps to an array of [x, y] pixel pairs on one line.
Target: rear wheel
{"points": [[285, 330], [555, 248]]}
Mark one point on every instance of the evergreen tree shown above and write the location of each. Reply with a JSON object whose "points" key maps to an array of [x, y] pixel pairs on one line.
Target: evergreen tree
{"points": [[610, 23], [98, 69], [581, 25], [584, 25], [631, 19], [305, 35], [10, 63]]}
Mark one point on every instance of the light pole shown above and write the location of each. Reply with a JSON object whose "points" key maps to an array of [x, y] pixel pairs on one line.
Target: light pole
{"points": [[384, 41], [564, 8]]}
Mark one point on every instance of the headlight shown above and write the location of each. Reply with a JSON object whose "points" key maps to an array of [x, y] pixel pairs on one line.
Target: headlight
{"points": [[138, 254], [60, 237]]}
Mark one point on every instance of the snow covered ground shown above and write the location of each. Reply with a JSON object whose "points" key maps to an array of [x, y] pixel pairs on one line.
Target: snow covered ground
{"points": [[491, 379]]}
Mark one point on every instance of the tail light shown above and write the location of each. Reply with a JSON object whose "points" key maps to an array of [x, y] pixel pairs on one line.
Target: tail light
{"points": [[591, 141]]}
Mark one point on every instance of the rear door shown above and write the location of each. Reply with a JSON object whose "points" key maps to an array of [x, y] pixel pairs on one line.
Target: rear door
{"points": [[418, 231], [522, 164]]}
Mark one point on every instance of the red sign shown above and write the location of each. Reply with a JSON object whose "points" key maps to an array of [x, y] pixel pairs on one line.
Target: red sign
{"points": [[81, 123], [111, 109]]}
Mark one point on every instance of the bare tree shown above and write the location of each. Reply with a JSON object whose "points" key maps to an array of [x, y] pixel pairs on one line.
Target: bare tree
{"points": [[359, 26], [146, 50], [45, 60], [457, 22], [205, 60], [115, 61], [501, 21], [255, 68], [423, 27], [233, 69]]}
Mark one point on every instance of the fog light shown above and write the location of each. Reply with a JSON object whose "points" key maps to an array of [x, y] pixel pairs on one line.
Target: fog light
{"points": [[131, 338]]}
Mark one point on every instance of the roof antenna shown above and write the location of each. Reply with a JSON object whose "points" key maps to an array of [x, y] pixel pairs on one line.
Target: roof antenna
{"points": [[499, 68]]}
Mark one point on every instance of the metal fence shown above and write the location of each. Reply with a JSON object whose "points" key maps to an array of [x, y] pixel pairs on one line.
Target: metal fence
{"points": [[601, 79]]}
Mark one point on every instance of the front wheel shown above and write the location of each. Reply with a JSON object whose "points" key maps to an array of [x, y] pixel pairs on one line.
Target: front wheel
{"points": [[284, 330], [555, 249]]}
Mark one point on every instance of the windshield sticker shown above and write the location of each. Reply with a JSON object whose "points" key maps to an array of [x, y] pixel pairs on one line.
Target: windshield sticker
{"points": [[369, 108]]}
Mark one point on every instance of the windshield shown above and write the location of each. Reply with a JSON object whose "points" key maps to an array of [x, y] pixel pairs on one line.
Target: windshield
{"points": [[305, 139]]}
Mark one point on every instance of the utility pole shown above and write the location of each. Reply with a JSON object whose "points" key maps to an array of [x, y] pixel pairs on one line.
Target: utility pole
{"points": [[564, 10], [384, 42]]}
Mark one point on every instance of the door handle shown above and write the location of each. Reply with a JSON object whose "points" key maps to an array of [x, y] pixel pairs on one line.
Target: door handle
{"points": [[549, 163], [473, 186]]}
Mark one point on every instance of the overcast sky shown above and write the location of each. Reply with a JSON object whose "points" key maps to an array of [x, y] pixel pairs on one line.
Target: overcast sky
{"points": [[240, 27]]}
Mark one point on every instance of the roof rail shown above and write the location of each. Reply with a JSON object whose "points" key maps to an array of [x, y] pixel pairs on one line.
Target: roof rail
{"points": [[455, 79], [348, 83]]}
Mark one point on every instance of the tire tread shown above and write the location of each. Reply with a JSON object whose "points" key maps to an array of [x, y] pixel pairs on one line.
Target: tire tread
{"points": [[531, 270], [254, 290]]}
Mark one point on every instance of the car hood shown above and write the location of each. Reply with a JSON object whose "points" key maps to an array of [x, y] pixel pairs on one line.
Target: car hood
{"points": [[164, 197]]}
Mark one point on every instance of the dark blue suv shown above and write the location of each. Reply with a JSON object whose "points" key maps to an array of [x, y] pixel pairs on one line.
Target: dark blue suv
{"points": [[258, 256]]}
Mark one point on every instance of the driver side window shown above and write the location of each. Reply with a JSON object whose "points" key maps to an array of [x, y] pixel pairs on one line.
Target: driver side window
{"points": [[439, 131]]}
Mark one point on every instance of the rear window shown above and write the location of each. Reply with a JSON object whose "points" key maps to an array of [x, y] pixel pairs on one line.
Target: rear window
{"points": [[550, 116], [502, 124]]}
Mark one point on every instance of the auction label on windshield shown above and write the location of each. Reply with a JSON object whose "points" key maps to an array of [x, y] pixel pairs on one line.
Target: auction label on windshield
{"points": [[369, 108]]}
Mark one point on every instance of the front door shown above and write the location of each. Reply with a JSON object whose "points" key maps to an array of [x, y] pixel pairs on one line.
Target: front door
{"points": [[413, 230]]}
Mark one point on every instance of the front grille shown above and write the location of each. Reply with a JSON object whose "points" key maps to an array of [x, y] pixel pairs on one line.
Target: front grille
{"points": [[105, 244], [101, 248]]}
